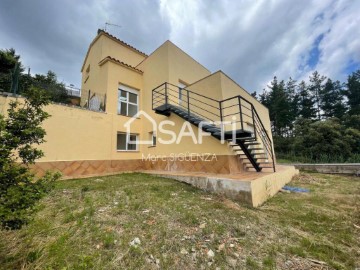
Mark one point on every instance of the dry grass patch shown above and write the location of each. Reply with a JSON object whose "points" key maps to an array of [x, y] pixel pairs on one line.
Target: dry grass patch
{"points": [[138, 221]]}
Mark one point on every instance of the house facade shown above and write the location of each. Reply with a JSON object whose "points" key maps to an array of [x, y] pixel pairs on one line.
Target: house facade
{"points": [[160, 112]]}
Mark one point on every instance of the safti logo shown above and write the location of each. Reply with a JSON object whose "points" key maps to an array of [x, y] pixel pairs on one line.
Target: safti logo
{"points": [[165, 127]]}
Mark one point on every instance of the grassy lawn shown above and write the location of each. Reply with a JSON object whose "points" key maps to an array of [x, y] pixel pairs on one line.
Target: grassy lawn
{"points": [[89, 224]]}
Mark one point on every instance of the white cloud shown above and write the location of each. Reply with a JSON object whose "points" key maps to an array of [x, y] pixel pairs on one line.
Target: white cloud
{"points": [[249, 40], [254, 40]]}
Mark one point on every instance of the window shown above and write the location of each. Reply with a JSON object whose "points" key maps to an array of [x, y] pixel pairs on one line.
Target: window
{"points": [[180, 86], [127, 142], [153, 138], [128, 101]]}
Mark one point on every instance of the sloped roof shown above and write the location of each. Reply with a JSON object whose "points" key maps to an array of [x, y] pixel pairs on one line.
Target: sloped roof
{"points": [[116, 61], [101, 32]]}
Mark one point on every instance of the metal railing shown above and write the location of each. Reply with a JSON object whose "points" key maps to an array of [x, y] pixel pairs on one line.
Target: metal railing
{"points": [[195, 103], [236, 110]]}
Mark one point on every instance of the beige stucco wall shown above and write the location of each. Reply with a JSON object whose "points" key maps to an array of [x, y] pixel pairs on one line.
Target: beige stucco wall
{"points": [[97, 78], [78, 134], [93, 80], [111, 47], [231, 88], [220, 87], [170, 64]]}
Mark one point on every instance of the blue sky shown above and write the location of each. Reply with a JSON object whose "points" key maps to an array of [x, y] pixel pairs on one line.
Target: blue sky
{"points": [[251, 41]]}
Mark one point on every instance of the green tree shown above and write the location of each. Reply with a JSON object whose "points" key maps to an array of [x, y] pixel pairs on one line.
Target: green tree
{"points": [[321, 138], [353, 93], [20, 131], [316, 87], [306, 102], [294, 99], [332, 104], [351, 121], [49, 82], [8, 61], [279, 107]]}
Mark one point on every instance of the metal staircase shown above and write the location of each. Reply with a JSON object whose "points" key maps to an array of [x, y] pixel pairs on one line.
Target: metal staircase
{"points": [[234, 120]]}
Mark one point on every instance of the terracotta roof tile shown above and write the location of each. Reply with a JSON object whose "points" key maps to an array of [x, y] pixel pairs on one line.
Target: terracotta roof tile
{"points": [[109, 58], [124, 43]]}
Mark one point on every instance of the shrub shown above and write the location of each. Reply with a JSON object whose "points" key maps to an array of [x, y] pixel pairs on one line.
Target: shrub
{"points": [[19, 132]]}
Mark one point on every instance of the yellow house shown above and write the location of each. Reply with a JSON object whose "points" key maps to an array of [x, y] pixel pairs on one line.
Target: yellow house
{"points": [[134, 82], [122, 85], [162, 112]]}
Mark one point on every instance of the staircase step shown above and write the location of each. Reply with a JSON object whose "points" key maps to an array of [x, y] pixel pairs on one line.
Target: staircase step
{"points": [[255, 154], [192, 118], [253, 149], [251, 143], [239, 133], [208, 126], [246, 139], [262, 167], [213, 130], [262, 162], [166, 113]]}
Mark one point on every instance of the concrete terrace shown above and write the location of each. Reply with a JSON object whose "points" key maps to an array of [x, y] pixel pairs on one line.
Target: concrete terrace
{"points": [[252, 188]]}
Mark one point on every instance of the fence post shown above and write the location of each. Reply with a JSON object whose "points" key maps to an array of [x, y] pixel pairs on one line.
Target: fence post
{"points": [[220, 108], [241, 116], [166, 96], [188, 102], [253, 118], [88, 103]]}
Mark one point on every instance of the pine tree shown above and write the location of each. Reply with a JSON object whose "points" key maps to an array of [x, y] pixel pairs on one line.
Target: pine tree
{"points": [[279, 107], [332, 104], [306, 102], [294, 99], [316, 89], [353, 93]]}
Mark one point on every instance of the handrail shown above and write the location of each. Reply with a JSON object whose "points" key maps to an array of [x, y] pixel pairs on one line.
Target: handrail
{"points": [[193, 92], [269, 144], [259, 128]]}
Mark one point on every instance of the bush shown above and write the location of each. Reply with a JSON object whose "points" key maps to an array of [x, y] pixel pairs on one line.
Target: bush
{"points": [[19, 132], [327, 141]]}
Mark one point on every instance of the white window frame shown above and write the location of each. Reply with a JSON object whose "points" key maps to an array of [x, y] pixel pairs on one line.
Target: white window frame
{"points": [[127, 142], [153, 139], [128, 90]]}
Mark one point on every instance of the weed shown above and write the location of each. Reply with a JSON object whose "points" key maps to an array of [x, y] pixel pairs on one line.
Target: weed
{"points": [[87, 224]]}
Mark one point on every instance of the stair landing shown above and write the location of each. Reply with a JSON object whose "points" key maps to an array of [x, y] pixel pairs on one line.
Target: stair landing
{"points": [[252, 188]]}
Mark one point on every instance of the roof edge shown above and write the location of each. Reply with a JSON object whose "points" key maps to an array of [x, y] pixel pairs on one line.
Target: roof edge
{"points": [[101, 32], [246, 91], [116, 61]]}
